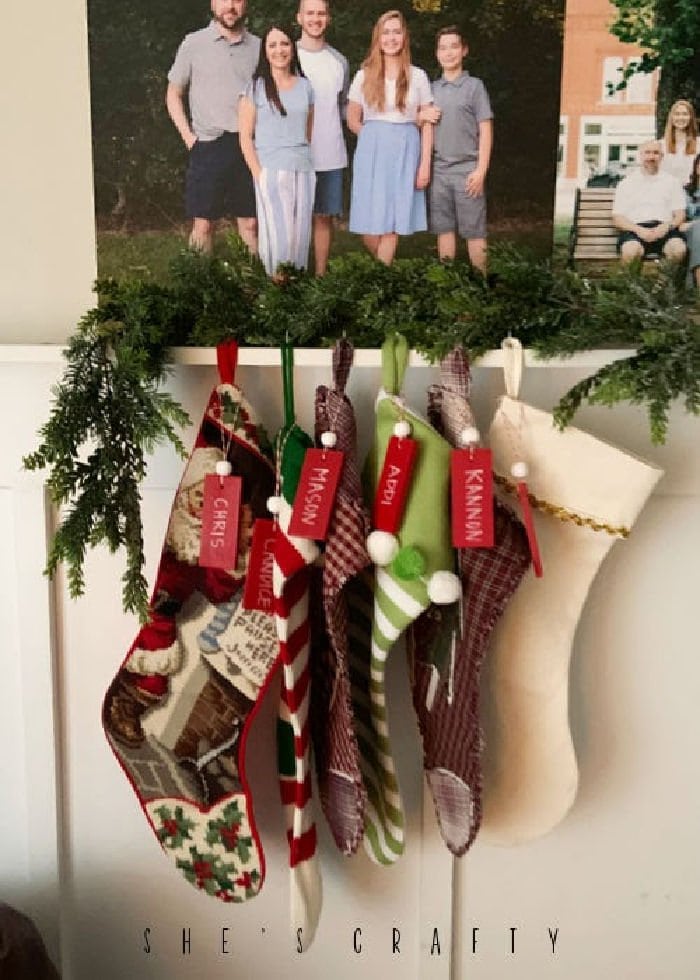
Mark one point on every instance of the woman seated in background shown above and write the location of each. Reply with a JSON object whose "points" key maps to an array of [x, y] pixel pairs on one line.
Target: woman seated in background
{"points": [[391, 168], [275, 121], [680, 141], [692, 226]]}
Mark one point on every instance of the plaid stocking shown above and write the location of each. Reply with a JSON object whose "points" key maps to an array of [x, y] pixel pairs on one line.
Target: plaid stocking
{"points": [[447, 650], [178, 712], [336, 751]]}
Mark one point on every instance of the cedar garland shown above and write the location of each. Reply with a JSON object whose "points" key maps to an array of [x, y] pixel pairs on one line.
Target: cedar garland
{"points": [[109, 411]]}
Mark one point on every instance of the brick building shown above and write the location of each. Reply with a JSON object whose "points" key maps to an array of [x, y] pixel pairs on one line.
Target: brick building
{"points": [[598, 130]]}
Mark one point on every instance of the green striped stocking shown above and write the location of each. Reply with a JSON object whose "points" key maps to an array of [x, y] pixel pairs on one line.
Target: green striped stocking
{"points": [[414, 568]]}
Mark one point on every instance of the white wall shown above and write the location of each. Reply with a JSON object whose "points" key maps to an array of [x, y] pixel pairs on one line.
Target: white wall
{"points": [[47, 247], [619, 878]]}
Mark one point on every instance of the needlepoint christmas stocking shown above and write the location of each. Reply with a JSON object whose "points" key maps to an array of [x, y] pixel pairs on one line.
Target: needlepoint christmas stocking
{"points": [[293, 557], [447, 645], [178, 712], [585, 495], [336, 752], [414, 567]]}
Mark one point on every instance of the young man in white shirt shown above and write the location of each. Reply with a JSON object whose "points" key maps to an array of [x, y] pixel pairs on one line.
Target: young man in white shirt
{"points": [[648, 209], [327, 70]]}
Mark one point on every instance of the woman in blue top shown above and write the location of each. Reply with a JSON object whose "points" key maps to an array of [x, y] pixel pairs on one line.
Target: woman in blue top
{"points": [[691, 227], [275, 120]]}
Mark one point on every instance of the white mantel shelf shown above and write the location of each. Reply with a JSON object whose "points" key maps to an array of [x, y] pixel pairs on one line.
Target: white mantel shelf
{"points": [[316, 357]]}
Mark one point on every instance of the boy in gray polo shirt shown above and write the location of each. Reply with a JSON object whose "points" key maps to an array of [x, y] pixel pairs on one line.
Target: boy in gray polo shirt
{"points": [[461, 153], [212, 68]]}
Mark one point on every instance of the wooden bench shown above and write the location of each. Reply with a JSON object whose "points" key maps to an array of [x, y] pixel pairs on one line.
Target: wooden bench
{"points": [[593, 236]]}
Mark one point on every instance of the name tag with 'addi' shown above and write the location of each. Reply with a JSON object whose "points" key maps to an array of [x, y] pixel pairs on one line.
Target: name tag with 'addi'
{"points": [[394, 483], [313, 501], [471, 491]]}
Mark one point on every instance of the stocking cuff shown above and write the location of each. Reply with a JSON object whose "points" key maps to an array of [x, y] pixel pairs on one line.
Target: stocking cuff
{"points": [[572, 475]]}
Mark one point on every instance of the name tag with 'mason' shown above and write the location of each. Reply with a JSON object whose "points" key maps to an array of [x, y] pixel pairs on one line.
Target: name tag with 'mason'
{"points": [[313, 501]]}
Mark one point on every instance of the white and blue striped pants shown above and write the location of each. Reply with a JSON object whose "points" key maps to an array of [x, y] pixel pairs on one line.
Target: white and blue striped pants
{"points": [[284, 201]]}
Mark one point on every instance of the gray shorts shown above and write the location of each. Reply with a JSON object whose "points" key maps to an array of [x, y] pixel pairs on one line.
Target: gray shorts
{"points": [[450, 209]]}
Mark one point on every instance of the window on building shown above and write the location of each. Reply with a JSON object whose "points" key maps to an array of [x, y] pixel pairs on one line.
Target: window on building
{"points": [[593, 129], [612, 76], [591, 158], [639, 88]]}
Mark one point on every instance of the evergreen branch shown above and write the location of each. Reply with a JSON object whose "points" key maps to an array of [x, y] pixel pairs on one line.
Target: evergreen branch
{"points": [[109, 411]]}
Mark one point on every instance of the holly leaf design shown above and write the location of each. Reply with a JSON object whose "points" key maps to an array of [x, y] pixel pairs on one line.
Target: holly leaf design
{"points": [[243, 848], [232, 813], [175, 827]]}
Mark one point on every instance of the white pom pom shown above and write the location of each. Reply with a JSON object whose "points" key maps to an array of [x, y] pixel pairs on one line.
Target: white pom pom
{"points": [[223, 467], [519, 470], [469, 436], [443, 588], [402, 429], [274, 504], [328, 439], [382, 547]]}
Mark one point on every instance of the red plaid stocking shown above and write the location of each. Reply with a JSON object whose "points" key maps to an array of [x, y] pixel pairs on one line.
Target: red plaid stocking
{"points": [[448, 653]]}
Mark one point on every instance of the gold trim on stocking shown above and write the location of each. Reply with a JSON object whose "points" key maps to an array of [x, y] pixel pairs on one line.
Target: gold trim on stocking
{"points": [[561, 513]]}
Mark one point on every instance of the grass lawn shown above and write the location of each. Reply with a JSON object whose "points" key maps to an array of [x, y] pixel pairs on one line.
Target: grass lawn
{"points": [[148, 254]]}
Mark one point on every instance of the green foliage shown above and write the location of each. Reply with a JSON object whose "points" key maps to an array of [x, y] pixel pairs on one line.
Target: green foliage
{"points": [[109, 411], [669, 32]]}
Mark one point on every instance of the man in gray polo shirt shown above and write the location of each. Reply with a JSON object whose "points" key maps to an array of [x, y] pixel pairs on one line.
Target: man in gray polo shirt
{"points": [[461, 152], [211, 69]]}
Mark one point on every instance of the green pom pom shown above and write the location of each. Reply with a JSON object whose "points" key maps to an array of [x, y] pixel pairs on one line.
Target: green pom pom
{"points": [[409, 564]]}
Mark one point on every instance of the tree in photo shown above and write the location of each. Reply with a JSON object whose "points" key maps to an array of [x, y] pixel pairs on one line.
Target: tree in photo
{"points": [[668, 31]]}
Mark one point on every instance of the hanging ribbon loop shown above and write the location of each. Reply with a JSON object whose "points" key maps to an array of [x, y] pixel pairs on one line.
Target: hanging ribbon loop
{"points": [[455, 376], [512, 365], [288, 383], [343, 356], [227, 361], [394, 363]]}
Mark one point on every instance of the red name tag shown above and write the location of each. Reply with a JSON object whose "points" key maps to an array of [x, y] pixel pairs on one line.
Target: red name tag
{"points": [[471, 490], [393, 484], [313, 501], [529, 522], [220, 516], [257, 591]]}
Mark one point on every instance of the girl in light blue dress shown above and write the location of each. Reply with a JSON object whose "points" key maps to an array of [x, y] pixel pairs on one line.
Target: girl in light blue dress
{"points": [[391, 167], [275, 122]]}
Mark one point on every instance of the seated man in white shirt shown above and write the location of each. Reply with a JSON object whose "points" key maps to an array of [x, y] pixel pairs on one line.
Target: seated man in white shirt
{"points": [[648, 208]]}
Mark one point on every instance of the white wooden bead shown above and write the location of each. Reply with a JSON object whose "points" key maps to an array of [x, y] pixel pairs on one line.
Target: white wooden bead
{"points": [[402, 429], [519, 470], [328, 439], [469, 436], [274, 504], [223, 467]]}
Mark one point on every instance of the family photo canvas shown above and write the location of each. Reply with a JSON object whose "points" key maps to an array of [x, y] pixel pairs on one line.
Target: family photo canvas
{"points": [[511, 53]]}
